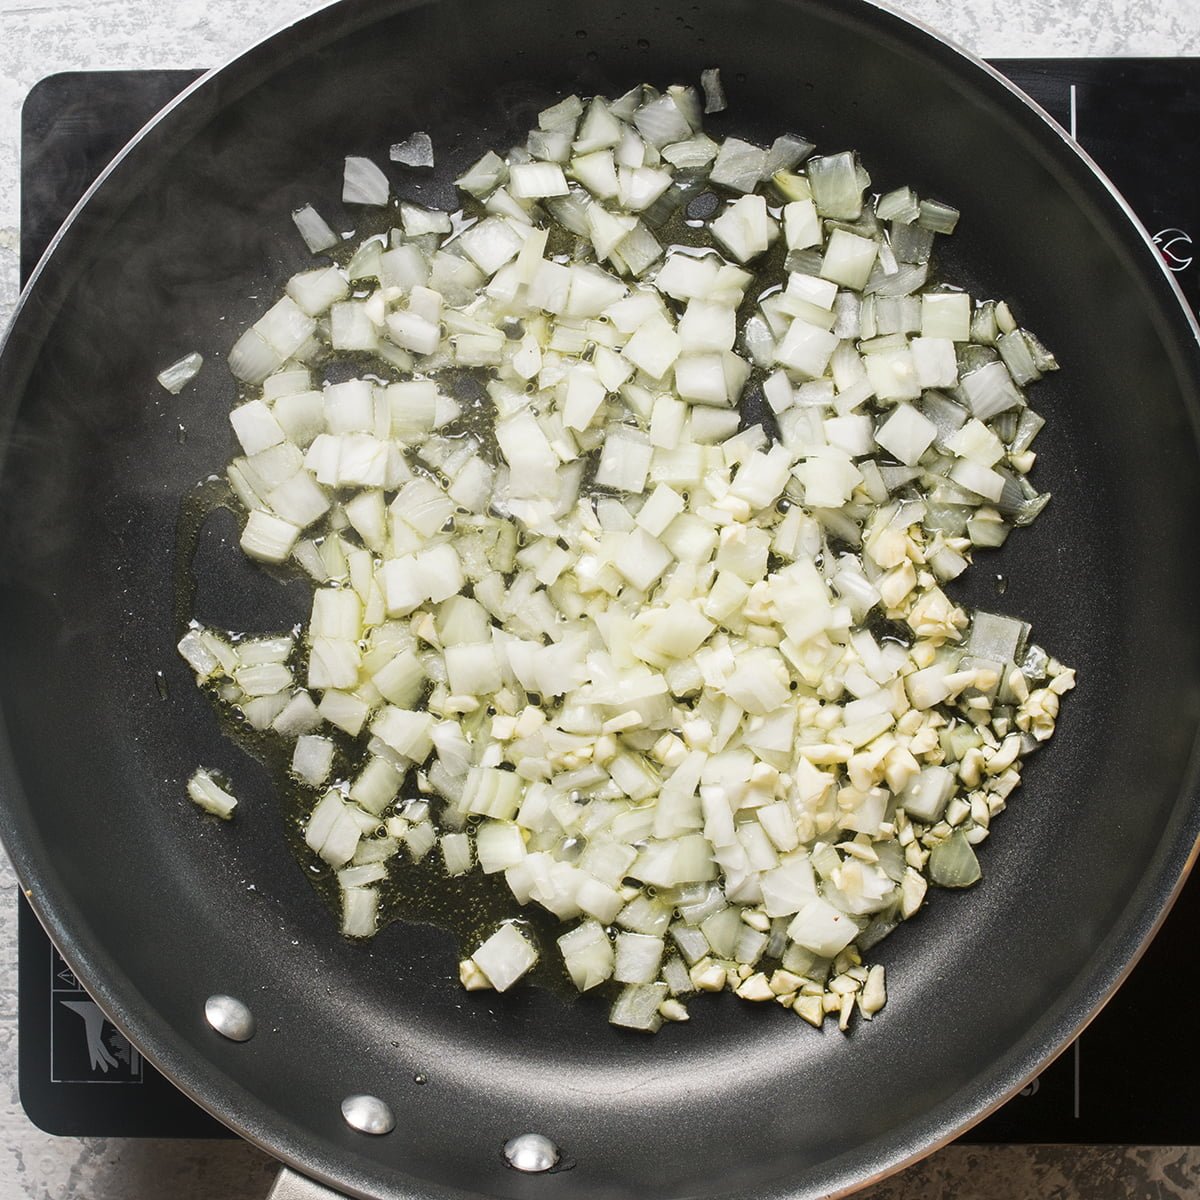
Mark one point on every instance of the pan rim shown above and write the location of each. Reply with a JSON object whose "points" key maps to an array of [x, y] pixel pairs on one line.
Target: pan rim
{"points": [[25, 853]]}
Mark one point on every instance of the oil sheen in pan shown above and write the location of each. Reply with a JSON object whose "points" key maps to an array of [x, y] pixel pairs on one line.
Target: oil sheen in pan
{"points": [[468, 906]]}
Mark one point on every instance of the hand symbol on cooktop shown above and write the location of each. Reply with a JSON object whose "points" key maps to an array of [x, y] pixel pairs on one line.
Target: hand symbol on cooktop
{"points": [[93, 1023]]}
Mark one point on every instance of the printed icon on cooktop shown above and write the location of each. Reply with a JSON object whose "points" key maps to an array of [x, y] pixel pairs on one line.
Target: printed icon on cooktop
{"points": [[1175, 245], [85, 1046]]}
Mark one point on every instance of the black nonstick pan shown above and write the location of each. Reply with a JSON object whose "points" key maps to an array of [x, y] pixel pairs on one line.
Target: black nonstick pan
{"points": [[178, 248]]}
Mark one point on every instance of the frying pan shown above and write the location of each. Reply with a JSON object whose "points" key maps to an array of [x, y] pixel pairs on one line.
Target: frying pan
{"points": [[181, 244]]}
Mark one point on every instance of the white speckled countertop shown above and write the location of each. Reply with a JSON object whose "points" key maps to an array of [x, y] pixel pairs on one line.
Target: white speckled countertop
{"points": [[42, 38]]}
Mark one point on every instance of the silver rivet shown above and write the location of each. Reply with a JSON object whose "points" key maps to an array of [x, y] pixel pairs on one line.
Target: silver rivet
{"points": [[368, 1114], [531, 1152], [229, 1017]]}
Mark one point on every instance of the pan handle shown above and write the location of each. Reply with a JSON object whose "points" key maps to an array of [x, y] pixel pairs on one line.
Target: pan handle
{"points": [[289, 1185]]}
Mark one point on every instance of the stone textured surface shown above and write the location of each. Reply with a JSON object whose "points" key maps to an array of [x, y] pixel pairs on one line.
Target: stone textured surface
{"points": [[38, 39]]}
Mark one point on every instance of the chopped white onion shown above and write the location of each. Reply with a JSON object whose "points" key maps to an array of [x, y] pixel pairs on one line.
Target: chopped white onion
{"points": [[637, 1007], [618, 645], [638, 957], [364, 183], [179, 374], [360, 910], [312, 759], [714, 92], [505, 957], [314, 229], [210, 796], [535, 181], [588, 955], [739, 165], [415, 151]]}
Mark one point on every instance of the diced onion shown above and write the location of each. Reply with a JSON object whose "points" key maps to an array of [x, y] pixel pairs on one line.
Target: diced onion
{"points": [[415, 151], [179, 374], [314, 229], [637, 1007], [505, 957], [739, 165], [714, 92], [688, 683], [210, 796], [364, 183], [952, 863]]}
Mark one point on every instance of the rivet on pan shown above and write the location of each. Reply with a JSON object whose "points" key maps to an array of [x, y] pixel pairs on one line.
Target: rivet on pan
{"points": [[531, 1152], [368, 1114], [229, 1017]]}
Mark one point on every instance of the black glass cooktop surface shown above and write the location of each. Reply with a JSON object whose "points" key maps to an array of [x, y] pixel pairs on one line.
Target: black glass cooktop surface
{"points": [[1131, 1077]]}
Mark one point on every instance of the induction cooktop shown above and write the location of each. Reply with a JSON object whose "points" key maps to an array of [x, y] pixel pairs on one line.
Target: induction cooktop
{"points": [[1130, 1078]]}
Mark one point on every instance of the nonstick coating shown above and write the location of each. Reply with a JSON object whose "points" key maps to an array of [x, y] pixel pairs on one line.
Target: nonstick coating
{"points": [[186, 241]]}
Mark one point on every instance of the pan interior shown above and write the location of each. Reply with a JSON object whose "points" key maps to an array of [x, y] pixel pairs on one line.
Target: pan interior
{"points": [[187, 242]]}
